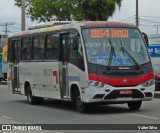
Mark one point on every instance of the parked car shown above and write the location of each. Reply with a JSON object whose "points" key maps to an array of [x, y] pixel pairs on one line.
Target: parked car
{"points": [[157, 76]]}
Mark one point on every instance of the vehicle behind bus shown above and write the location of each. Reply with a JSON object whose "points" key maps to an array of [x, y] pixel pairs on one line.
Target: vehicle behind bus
{"points": [[1, 76], [83, 62], [154, 51], [4, 62]]}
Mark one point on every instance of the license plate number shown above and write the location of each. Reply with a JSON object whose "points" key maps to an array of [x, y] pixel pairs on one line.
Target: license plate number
{"points": [[126, 92]]}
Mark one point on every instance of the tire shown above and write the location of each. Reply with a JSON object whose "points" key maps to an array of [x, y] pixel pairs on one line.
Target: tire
{"points": [[80, 106], [32, 99], [135, 105], [157, 86]]}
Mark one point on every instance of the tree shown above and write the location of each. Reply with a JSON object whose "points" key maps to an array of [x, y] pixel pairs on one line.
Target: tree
{"points": [[99, 9], [47, 10]]}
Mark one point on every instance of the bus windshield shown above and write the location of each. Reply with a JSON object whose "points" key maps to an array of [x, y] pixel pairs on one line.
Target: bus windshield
{"points": [[115, 46]]}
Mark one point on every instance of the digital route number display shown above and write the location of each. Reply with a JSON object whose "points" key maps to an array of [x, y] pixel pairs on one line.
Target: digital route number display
{"points": [[114, 33]]}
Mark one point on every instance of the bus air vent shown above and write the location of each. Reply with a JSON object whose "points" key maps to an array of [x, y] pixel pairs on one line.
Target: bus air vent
{"points": [[49, 24]]}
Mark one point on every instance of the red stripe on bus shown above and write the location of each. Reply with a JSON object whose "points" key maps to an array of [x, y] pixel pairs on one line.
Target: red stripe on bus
{"points": [[121, 81], [55, 74]]}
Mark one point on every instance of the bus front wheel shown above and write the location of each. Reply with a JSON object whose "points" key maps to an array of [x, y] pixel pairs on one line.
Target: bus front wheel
{"points": [[80, 106], [135, 105]]}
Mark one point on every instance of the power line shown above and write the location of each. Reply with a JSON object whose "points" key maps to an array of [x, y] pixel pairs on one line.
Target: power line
{"points": [[151, 21], [14, 27], [145, 25], [149, 17], [20, 24], [127, 18], [131, 20]]}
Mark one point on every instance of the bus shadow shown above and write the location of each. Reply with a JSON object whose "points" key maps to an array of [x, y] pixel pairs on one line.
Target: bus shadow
{"points": [[92, 109], [58, 104]]}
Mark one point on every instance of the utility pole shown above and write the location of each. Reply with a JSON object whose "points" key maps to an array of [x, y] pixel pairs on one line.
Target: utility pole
{"points": [[23, 6], [157, 27], [6, 26], [137, 21]]}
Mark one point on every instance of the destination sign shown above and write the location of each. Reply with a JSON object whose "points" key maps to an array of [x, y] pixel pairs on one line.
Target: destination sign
{"points": [[114, 33]]}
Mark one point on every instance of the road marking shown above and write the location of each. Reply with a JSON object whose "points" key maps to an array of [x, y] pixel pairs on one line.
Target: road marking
{"points": [[7, 117], [57, 132], [145, 116]]}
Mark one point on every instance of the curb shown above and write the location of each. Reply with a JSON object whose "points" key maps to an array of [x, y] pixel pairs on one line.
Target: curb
{"points": [[3, 82]]}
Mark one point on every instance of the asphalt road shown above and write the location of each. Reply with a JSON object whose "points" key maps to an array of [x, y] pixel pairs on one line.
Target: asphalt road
{"points": [[14, 108]]}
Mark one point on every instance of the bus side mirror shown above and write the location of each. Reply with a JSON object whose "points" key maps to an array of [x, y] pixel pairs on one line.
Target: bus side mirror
{"points": [[146, 39]]}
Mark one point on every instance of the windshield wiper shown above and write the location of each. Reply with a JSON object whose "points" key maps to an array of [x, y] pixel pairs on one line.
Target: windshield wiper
{"points": [[129, 55], [112, 52]]}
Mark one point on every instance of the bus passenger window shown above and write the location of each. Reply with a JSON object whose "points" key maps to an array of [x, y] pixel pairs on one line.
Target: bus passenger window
{"points": [[38, 47], [52, 47], [26, 49]]}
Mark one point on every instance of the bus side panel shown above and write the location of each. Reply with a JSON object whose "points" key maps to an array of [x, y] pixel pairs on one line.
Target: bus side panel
{"points": [[27, 75], [41, 78], [73, 76], [50, 80], [78, 77]]}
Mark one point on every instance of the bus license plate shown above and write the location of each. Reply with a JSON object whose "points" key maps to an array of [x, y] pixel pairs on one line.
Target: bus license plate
{"points": [[127, 92]]}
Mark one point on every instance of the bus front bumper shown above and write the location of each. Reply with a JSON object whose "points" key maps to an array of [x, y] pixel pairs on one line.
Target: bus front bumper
{"points": [[117, 94]]}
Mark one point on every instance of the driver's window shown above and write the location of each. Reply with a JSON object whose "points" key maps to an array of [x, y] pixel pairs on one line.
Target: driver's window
{"points": [[75, 50]]}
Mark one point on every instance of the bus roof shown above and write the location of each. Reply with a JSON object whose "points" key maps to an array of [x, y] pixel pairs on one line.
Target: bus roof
{"points": [[106, 23], [57, 26]]}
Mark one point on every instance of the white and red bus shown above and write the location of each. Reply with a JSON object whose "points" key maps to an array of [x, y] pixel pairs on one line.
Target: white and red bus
{"points": [[83, 62]]}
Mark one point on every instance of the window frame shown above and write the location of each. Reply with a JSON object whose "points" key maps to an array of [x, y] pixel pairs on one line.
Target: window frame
{"points": [[32, 47], [58, 45]]}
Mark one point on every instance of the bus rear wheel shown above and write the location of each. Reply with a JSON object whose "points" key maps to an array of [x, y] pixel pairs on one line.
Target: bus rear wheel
{"points": [[135, 105], [32, 99], [80, 106]]}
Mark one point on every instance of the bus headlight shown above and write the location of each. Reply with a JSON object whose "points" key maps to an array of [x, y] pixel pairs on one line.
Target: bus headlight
{"points": [[148, 83], [96, 84], [90, 82], [101, 85]]}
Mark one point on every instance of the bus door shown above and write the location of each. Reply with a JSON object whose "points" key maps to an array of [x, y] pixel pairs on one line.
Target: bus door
{"points": [[64, 40], [15, 50]]}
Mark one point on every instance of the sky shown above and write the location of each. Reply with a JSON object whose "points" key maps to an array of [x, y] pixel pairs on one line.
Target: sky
{"points": [[149, 15]]}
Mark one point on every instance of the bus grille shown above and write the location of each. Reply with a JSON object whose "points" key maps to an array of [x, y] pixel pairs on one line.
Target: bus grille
{"points": [[123, 73], [116, 94]]}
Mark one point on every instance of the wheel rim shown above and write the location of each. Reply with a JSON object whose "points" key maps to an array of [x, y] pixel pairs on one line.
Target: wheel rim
{"points": [[29, 96], [79, 102]]}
